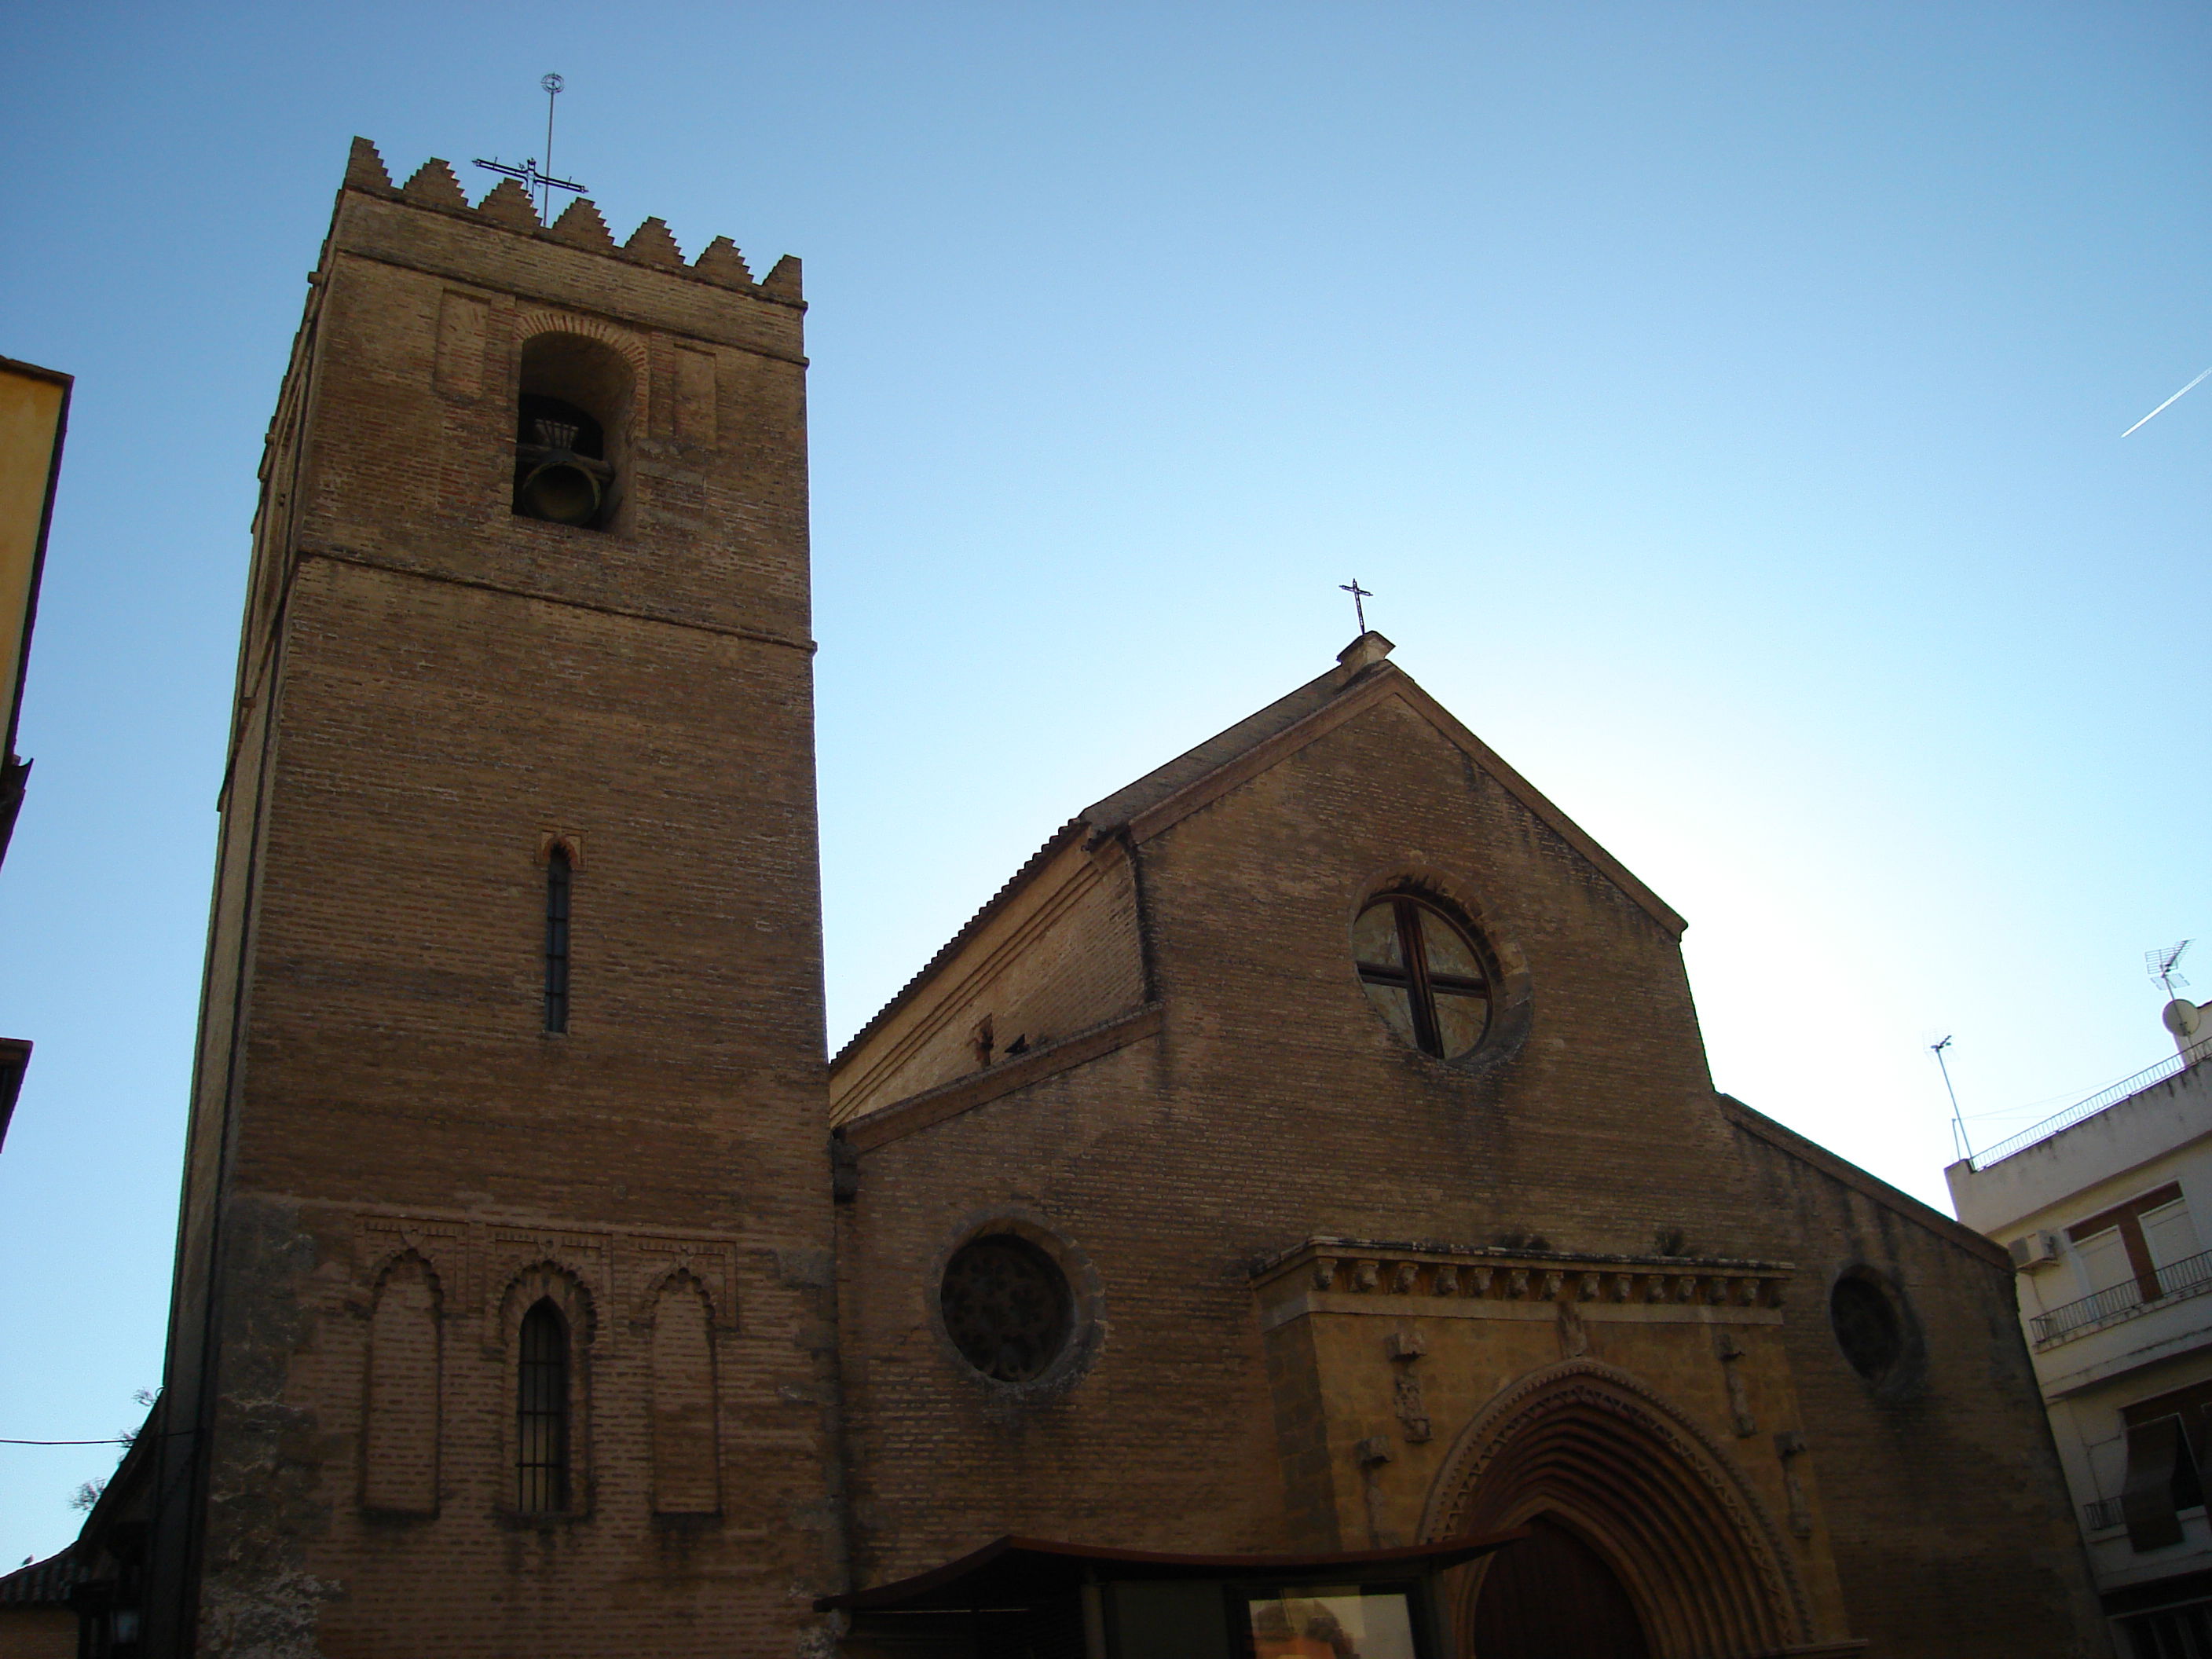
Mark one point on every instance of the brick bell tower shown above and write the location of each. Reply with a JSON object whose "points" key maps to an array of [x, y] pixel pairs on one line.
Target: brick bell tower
{"points": [[502, 1319]]}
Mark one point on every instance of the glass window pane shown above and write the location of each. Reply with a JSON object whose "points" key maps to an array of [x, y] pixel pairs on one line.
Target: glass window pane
{"points": [[1461, 1021], [1395, 1006], [1332, 1623], [2170, 1233], [1375, 937], [2103, 1259], [1448, 953]]}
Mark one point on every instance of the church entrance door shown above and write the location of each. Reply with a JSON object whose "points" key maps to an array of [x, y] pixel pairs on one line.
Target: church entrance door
{"points": [[1552, 1597]]}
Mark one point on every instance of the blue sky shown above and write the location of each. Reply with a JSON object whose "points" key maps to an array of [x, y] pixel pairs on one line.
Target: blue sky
{"points": [[1723, 402]]}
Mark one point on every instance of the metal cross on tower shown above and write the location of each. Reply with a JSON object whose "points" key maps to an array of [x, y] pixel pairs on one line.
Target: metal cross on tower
{"points": [[539, 184], [1359, 595]]}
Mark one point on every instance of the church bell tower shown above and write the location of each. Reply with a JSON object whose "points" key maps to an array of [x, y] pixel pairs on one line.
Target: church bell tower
{"points": [[502, 1321]]}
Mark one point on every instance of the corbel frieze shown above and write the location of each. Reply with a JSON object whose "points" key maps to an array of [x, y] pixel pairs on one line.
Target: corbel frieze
{"points": [[1339, 1275]]}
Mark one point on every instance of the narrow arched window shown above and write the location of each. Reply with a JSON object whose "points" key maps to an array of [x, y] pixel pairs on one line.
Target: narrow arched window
{"points": [[559, 878], [541, 1412]]}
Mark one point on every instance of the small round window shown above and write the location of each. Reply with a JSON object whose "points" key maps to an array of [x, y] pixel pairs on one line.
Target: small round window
{"points": [[1424, 974], [1007, 1307], [1866, 1328]]}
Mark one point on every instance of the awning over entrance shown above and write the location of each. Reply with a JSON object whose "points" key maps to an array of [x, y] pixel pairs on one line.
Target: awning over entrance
{"points": [[1013, 1572]]}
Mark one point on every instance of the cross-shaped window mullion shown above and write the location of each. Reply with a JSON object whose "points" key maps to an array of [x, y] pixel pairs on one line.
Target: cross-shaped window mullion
{"points": [[1418, 991]]}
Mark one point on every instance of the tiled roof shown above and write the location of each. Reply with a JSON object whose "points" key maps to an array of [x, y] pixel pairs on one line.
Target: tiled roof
{"points": [[43, 1583], [1114, 810]]}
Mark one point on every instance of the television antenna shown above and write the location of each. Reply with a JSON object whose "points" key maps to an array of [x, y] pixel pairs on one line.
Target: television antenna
{"points": [[1959, 1142], [2159, 965], [542, 184]]}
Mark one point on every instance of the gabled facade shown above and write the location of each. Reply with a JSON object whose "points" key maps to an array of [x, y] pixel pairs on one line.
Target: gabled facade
{"points": [[1338, 1278]]}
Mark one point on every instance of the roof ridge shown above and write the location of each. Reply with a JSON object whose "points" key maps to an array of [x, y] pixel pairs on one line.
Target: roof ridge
{"points": [[1149, 803], [1201, 760]]}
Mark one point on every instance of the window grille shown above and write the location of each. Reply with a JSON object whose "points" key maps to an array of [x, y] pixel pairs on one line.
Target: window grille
{"points": [[1007, 1307], [541, 1412], [560, 876]]}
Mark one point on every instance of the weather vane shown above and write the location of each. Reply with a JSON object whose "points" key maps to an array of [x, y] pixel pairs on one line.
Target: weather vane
{"points": [[540, 184], [1358, 595]]}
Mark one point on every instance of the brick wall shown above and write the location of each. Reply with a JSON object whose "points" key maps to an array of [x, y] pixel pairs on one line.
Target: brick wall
{"points": [[1276, 1105], [392, 1160]]}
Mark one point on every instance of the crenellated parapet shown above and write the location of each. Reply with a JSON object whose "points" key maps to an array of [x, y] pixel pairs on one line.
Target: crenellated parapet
{"points": [[508, 206]]}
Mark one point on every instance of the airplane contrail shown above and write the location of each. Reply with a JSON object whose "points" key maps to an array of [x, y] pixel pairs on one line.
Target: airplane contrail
{"points": [[2168, 403]]}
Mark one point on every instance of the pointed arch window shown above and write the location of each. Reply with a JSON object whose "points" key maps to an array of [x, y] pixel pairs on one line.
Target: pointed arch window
{"points": [[1424, 973], [560, 879], [541, 1412]]}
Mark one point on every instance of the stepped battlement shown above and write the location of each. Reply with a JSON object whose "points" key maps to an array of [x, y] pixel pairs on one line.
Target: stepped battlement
{"points": [[508, 206]]}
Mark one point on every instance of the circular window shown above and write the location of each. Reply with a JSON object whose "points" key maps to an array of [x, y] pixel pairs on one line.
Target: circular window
{"points": [[1425, 974], [1867, 1327], [1007, 1307]]}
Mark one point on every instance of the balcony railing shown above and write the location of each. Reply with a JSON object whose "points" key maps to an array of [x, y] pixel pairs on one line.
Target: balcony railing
{"points": [[2172, 1065], [2177, 1282], [2103, 1514]]}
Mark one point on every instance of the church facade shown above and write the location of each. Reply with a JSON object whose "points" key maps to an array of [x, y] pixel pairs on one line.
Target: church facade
{"points": [[1305, 1172]]}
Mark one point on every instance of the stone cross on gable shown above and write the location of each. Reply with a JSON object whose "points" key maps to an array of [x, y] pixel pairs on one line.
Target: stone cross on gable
{"points": [[1359, 595]]}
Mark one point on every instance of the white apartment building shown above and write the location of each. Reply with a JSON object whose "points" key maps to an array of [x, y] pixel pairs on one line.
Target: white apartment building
{"points": [[2108, 1210]]}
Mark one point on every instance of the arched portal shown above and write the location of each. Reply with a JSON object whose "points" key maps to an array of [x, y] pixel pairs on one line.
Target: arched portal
{"points": [[1617, 1488], [1553, 1595]]}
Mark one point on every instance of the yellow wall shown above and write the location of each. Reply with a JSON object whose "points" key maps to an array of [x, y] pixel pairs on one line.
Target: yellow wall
{"points": [[30, 425]]}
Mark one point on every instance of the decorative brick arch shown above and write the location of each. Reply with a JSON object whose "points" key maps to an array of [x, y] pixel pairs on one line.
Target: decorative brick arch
{"points": [[547, 1278], [402, 1381], [674, 1274], [564, 1284], [399, 1248], [682, 1416], [529, 324], [1669, 1511]]}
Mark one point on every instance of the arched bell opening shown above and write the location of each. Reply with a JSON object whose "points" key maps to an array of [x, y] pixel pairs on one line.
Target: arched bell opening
{"points": [[1624, 1498], [572, 422]]}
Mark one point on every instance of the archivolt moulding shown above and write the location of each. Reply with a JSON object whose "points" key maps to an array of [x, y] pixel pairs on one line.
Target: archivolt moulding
{"points": [[1674, 1516]]}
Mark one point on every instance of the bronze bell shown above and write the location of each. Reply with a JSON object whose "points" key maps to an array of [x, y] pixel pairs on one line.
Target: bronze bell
{"points": [[557, 490], [560, 485]]}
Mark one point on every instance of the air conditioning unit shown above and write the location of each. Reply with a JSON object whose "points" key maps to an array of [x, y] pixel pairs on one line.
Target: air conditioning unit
{"points": [[2034, 1250]]}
